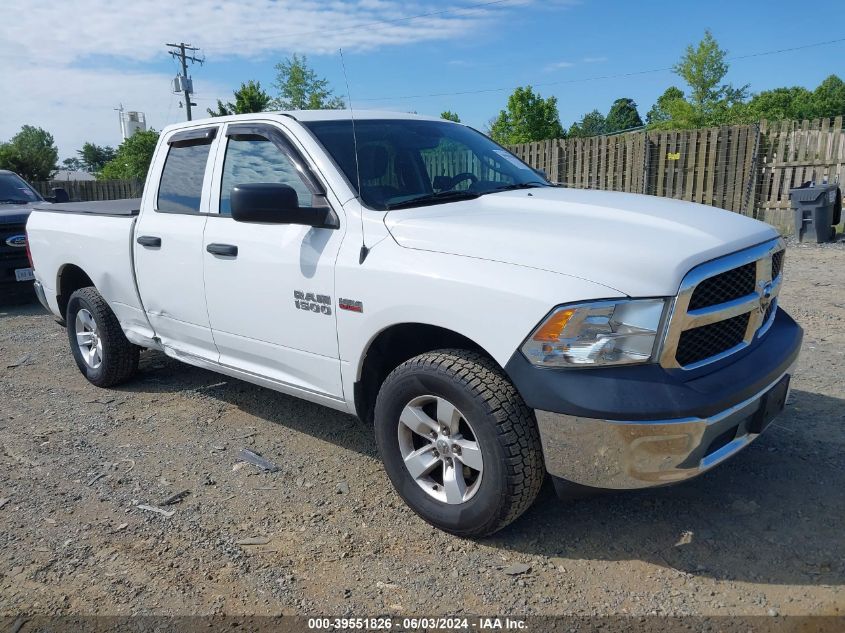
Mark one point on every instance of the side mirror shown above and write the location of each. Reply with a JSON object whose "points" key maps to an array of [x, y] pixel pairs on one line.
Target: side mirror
{"points": [[59, 195], [275, 203]]}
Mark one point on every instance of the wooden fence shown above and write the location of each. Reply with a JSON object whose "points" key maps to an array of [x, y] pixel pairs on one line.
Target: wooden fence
{"points": [[744, 168], [85, 190]]}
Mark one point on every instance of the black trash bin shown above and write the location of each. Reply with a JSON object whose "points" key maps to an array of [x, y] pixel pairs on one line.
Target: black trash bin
{"points": [[818, 209]]}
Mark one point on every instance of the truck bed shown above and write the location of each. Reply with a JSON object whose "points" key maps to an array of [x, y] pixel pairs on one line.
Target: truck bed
{"points": [[122, 208]]}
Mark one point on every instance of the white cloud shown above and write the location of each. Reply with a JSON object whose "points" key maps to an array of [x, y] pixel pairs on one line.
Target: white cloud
{"points": [[559, 66], [241, 28], [69, 78], [77, 105]]}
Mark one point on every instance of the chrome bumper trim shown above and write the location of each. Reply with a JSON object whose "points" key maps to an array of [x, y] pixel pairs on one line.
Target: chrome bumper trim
{"points": [[618, 455], [42, 297]]}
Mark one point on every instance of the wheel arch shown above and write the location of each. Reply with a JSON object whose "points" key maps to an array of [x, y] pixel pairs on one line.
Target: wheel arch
{"points": [[391, 347], [69, 279]]}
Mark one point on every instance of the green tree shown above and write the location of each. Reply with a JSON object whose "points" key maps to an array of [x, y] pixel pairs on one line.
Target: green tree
{"points": [[528, 117], [450, 116], [591, 124], [623, 115], [660, 111], [712, 103], [94, 157], [781, 103], [829, 98], [301, 89], [249, 98], [73, 164], [31, 153], [132, 159]]}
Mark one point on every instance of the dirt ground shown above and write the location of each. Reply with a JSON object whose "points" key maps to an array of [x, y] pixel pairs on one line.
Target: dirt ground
{"points": [[762, 534]]}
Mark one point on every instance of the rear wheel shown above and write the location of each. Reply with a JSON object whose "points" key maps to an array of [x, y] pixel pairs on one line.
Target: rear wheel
{"points": [[458, 443], [101, 351]]}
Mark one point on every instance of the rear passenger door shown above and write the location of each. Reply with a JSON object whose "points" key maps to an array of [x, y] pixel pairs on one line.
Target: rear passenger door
{"points": [[169, 242], [271, 302]]}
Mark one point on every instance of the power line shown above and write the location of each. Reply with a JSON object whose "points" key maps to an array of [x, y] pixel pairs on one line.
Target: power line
{"points": [[598, 77], [183, 83]]}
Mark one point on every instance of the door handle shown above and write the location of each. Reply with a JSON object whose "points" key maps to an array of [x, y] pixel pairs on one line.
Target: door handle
{"points": [[227, 250], [149, 240]]}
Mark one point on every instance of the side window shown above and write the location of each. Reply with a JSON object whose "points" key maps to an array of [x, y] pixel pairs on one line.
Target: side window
{"points": [[180, 189], [254, 159]]}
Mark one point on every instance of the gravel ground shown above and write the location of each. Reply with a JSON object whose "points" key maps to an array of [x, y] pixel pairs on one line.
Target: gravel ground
{"points": [[326, 534]]}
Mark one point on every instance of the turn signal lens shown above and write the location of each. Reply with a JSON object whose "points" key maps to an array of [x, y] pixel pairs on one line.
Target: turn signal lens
{"points": [[550, 330]]}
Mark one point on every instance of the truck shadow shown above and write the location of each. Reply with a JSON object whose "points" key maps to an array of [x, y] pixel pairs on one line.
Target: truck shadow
{"points": [[772, 515]]}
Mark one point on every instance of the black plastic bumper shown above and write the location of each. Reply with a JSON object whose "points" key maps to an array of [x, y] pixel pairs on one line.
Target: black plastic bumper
{"points": [[649, 392]]}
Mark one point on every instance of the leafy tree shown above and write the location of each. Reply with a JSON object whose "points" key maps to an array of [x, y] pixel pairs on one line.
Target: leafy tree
{"points": [[528, 117], [710, 102], [132, 159], [73, 164], [249, 98], [450, 116], [591, 124], [623, 115], [781, 103], [829, 98], [301, 89], [660, 111], [94, 157], [31, 153]]}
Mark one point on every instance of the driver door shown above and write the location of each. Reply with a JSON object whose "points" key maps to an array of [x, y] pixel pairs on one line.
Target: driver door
{"points": [[270, 287]]}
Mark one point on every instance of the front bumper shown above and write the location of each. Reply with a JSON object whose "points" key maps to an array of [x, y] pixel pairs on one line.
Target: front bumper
{"points": [[616, 454], [643, 426]]}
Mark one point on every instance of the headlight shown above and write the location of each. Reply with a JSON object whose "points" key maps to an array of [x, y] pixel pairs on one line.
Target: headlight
{"points": [[597, 333]]}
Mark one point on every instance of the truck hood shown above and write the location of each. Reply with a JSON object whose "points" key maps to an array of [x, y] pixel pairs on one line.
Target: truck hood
{"points": [[638, 245]]}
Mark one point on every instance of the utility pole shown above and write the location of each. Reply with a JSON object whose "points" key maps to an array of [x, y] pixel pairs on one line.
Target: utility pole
{"points": [[183, 83]]}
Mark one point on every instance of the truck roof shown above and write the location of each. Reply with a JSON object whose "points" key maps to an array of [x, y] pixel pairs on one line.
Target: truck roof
{"points": [[307, 116]]}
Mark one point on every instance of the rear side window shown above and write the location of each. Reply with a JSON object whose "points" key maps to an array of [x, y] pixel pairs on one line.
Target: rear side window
{"points": [[180, 189]]}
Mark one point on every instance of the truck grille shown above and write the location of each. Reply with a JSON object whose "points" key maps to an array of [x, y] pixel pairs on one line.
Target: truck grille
{"points": [[726, 286], [723, 305]]}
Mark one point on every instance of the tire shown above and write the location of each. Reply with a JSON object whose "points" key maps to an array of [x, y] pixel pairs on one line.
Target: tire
{"points": [[504, 479], [116, 360]]}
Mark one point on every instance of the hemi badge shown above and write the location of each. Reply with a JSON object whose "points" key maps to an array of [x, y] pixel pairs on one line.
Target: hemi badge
{"points": [[350, 305]]}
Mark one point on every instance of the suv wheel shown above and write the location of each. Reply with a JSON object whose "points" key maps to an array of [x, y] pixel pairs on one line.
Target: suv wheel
{"points": [[101, 351], [458, 443]]}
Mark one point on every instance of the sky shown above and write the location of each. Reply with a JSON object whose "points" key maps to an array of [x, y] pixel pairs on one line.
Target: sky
{"points": [[462, 55]]}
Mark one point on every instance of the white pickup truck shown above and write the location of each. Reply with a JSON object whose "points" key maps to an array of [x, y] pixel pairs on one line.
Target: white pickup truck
{"points": [[492, 327]]}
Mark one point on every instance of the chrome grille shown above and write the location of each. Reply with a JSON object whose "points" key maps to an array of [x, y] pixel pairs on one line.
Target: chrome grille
{"points": [[704, 342], [777, 263], [726, 286], [722, 305]]}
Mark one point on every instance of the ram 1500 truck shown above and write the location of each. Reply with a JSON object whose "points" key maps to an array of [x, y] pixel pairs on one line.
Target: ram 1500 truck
{"points": [[492, 327]]}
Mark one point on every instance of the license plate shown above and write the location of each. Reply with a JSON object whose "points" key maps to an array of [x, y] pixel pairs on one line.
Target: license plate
{"points": [[24, 274], [772, 403]]}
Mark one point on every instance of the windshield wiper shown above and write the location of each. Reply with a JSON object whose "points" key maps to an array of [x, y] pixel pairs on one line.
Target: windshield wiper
{"points": [[434, 198], [520, 185]]}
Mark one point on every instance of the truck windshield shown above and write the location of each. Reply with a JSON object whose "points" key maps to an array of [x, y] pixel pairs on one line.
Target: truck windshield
{"points": [[411, 162], [14, 190]]}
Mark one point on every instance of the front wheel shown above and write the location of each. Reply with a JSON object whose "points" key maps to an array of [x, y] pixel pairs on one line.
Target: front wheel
{"points": [[458, 443], [101, 351]]}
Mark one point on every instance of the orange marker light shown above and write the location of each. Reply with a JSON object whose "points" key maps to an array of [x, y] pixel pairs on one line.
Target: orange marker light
{"points": [[551, 329]]}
